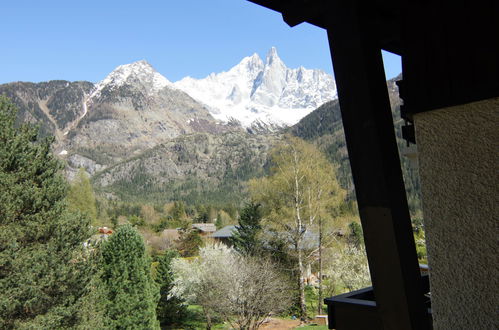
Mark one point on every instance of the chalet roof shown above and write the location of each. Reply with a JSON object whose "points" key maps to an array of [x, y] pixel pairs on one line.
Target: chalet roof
{"points": [[225, 232], [310, 239], [205, 227]]}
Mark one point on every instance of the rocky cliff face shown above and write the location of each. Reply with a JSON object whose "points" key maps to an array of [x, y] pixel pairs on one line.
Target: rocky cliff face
{"points": [[54, 105], [97, 125], [133, 109], [196, 167]]}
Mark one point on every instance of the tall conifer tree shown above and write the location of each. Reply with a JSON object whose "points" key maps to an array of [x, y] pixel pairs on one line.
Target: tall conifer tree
{"points": [[245, 238], [170, 309], [42, 268], [130, 292]]}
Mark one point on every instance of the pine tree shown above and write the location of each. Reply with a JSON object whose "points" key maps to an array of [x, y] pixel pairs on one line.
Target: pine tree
{"points": [[245, 237], [189, 242], [42, 266], [170, 309], [131, 294]]}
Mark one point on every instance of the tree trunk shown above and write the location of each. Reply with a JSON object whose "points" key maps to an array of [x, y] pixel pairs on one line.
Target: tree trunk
{"points": [[301, 286], [208, 319], [299, 236], [319, 309]]}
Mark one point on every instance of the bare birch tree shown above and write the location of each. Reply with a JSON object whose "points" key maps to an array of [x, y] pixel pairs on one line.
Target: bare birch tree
{"points": [[301, 189]]}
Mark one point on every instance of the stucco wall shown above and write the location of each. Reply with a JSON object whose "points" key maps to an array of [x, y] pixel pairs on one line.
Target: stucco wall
{"points": [[458, 162]]}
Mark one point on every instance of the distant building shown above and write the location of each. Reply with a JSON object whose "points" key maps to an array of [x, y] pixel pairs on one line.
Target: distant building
{"points": [[204, 229], [223, 235], [105, 231]]}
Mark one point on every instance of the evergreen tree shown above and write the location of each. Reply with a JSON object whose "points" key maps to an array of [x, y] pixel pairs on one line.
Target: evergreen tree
{"points": [[42, 265], [178, 210], [189, 243], [170, 309], [81, 195], [131, 294], [245, 237]]}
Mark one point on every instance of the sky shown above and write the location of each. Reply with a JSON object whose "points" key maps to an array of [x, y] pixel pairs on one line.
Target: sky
{"points": [[86, 39]]}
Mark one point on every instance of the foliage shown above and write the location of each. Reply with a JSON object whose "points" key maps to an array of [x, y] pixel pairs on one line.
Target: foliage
{"points": [[348, 268], [241, 290], [178, 210], [91, 310], [301, 189], [81, 195], [204, 214], [131, 294], [324, 128], [355, 237], [189, 243], [136, 221], [223, 219], [171, 309], [420, 239], [42, 269], [245, 238]]}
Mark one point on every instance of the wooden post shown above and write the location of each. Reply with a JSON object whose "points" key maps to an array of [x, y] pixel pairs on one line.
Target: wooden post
{"points": [[374, 159]]}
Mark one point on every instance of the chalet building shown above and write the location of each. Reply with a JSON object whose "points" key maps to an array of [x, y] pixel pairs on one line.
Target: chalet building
{"points": [[105, 231], [450, 92], [224, 234], [204, 229]]}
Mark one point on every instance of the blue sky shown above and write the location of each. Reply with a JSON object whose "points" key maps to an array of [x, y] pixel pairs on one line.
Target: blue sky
{"points": [[87, 39]]}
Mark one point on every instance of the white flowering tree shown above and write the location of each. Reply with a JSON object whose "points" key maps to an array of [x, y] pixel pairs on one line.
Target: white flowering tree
{"points": [[241, 290], [348, 267]]}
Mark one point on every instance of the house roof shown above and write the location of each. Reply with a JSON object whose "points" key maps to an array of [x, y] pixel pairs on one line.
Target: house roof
{"points": [[309, 241], [225, 232], [205, 227]]}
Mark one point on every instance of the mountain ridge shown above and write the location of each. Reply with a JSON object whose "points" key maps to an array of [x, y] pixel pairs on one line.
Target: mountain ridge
{"points": [[268, 92]]}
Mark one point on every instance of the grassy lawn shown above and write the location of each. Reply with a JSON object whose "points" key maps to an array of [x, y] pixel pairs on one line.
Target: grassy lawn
{"points": [[312, 327], [195, 318]]}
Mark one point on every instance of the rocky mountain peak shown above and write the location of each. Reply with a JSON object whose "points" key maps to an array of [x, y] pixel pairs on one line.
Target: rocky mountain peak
{"points": [[265, 92], [252, 64], [139, 73], [273, 58]]}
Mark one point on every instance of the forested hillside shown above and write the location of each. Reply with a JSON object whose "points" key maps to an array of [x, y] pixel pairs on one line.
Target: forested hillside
{"points": [[324, 128], [197, 168]]}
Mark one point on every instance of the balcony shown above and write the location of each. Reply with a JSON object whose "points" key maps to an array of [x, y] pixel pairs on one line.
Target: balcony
{"points": [[357, 310]]}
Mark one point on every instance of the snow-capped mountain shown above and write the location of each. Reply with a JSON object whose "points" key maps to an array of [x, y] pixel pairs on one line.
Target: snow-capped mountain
{"points": [[136, 73], [137, 108], [267, 92]]}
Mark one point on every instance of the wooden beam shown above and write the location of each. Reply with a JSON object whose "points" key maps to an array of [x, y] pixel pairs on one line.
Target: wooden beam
{"points": [[387, 15], [372, 149]]}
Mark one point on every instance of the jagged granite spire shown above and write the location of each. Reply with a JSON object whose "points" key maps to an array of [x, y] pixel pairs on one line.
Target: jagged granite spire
{"points": [[262, 91]]}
